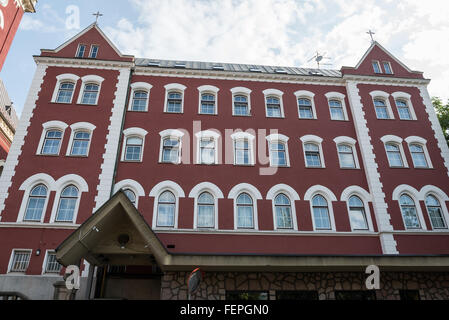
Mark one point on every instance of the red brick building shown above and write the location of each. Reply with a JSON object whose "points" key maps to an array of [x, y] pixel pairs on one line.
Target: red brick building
{"points": [[278, 182]]}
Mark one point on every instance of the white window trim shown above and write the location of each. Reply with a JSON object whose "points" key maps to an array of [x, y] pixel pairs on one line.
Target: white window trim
{"points": [[92, 49], [306, 95], [366, 198], [77, 127], [237, 91], [235, 192], [11, 257], [90, 79], [139, 86], [280, 138], [250, 138], [133, 185], [279, 95], [196, 192], [66, 77], [407, 98], [78, 50], [442, 198], [292, 195], [60, 185], [172, 134], [384, 96], [341, 98], [155, 193], [423, 143], [211, 90], [44, 264], [378, 65], [416, 197], [178, 88], [398, 141], [389, 64], [351, 142], [207, 134], [138, 132], [329, 196], [316, 140], [51, 125]]}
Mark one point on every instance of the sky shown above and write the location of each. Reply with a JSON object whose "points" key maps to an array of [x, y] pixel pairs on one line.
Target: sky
{"points": [[269, 32]]}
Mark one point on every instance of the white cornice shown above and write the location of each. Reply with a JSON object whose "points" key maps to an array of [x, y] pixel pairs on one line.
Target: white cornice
{"points": [[385, 81], [82, 63]]}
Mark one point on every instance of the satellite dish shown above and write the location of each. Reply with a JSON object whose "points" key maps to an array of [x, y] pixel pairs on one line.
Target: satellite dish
{"points": [[318, 57], [194, 281]]}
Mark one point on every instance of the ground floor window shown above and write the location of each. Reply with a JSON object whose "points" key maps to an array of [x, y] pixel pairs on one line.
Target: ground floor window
{"points": [[247, 295], [304, 295], [355, 295]]}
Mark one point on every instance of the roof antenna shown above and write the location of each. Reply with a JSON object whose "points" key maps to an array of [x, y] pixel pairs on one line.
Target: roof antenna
{"points": [[97, 15], [318, 57], [371, 35]]}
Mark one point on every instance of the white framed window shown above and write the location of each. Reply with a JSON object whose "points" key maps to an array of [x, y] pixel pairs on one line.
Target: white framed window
{"points": [[245, 198], [337, 106], [171, 146], [435, 212], [207, 147], [408, 199], [19, 261], [347, 152], [283, 199], [132, 189], [51, 264], [241, 101], [140, 96], [320, 199], [90, 90], [278, 148], [51, 138], [64, 88], [37, 203], [94, 51], [404, 105], [133, 144], [131, 196], [394, 151], [376, 67], [306, 104], [409, 212], [313, 151], [357, 201], [418, 151], [166, 196], [382, 107], [206, 197], [80, 51], [68, 203], [274, 106], [174, 98], [208, 100], [80, 139], [243, 149], [387, 67]]}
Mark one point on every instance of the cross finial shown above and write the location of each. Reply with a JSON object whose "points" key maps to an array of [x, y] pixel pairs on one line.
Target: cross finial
{"points": [[371, 35], [97, 15]]}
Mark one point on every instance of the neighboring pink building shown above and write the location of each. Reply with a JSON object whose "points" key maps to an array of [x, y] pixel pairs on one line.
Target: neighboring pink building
{"points": [[331, 171]]}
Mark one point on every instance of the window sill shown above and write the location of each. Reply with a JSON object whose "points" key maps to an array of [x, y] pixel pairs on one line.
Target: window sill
{"points": [[385, 119], [341, 120], [61, 103], [315, 167], [423, 168], [349, 168], [307, 118], [241, 115], [138, 111], [170, 163], [48, 155], [77, 156], [167, 112], [275, 117], [87, 104], [131, 161], [243, 165], [207, 114]]}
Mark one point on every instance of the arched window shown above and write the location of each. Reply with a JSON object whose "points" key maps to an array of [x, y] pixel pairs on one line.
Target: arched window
{"points": [[346, 156], [357, 214], [52, 142], [206, 211], [67, 204], [403, 110], [174, 102], [312, 154], [278, 154], [166, 210], [273, 107], [336, 110], [36, 203], [140, 101], [418, 156], [321, 213], [90, 93], [381, 109], [80, 144], [394, 155], [409, 213], [283, 210], [245, 211], [131, 196], [435, 212], [305, 108], [170, 151], [65, 92], [241, 106], [133, 148], [208, 105]]}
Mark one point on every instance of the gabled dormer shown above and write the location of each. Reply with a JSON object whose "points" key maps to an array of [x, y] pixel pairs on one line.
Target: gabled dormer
{"points": [[377, 61], [91, 43]]}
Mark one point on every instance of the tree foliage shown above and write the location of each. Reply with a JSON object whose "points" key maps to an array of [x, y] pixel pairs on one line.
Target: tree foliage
{"points": [[442, 111]]}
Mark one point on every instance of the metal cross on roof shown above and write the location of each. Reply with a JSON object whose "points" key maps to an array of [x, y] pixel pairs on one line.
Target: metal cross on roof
{"points": [[371, 35], [97, 15]]}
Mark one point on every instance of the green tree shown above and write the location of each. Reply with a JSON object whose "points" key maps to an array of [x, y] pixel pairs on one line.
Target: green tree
{"points": [[442, 111]]}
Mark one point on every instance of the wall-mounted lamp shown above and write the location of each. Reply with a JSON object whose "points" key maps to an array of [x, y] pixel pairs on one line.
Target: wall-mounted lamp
{"points": [[38, 252], [123, 239]]}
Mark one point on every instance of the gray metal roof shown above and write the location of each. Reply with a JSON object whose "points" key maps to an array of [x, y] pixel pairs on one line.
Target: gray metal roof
{"points": [[196, 65]]}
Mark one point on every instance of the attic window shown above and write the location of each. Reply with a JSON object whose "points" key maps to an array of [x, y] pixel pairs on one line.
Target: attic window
{"points": [[255, 69], [93, 51], [81, 50], [180, 65], [283, 71], [315, 73], [387, 67], [153, 64], [218, 67], [376, 67]]}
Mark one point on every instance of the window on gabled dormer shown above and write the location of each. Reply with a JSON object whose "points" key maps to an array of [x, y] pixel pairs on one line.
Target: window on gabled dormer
{"points": [[387, 67], [93, 51], [376, 67], [80, 51]]}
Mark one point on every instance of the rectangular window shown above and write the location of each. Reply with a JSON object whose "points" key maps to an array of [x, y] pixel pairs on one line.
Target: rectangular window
{"points": [[376, 67], [93, 51], [387, 67], [20, 261], [52, 265], [242, 156], [81, 50], [207, 151]]}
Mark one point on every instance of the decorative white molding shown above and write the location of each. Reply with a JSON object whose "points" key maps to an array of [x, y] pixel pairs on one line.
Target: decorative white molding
{"points": [[133, 185], [250, 138], [244, 187], [385, 97], [314, 140], [80, 126], [306, 95], [66, 77], [329, 196], [352, 143], [211, 90], [422, 143], [398, 142], [157, 191], [341, 98], [196, 192], [365, 197], [139, 86], [407, 97], [207, 134], [282, 188], [90, 79], [415, 195]]}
